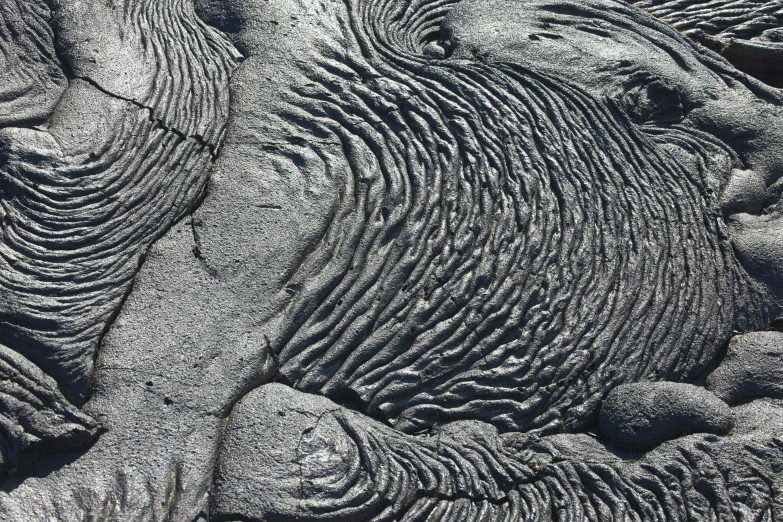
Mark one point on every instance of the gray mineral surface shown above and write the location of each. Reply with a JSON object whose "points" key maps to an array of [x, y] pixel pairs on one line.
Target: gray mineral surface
{"points": [[752, 368], [386, 260], [639, 416]]}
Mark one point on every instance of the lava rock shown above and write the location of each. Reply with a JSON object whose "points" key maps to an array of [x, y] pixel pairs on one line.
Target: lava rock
{"points": [[34, 416], [758, 245], [33, 80], [582, 447], [752, 368], [641, 415], [263, 464], [759, 416], [745, 191]]}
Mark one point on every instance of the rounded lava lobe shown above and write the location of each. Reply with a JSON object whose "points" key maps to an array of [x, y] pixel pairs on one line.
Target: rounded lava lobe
{"points": [[281, 449], [752, 368], [641, 415], [750, 126], [271, 197], [434, 50], [745, 191]]}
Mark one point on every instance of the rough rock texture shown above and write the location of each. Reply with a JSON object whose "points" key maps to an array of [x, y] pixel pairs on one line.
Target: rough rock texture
{"points": [[453, 277], [640, 416], [743, 19], [753, 367], [748, 33], [32, 80], [758, 416], [291, 456], [433, 234], [746, 192], [125, 154], [34, 416]]}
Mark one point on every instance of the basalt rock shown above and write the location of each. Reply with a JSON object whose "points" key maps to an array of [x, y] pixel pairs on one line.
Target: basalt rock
{"points": [[33, 80], [752, 368], [747, 33], [34, 416], [125, 153], [758, 416], [291, 456], [640, 416], [386, 260]]}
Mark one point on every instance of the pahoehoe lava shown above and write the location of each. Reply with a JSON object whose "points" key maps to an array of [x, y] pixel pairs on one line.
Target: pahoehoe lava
{"points": [[76, 222], [508, 247], [32, 80], [505, 247]]}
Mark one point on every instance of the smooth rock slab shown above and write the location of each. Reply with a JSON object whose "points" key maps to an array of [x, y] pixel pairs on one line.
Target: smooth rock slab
{"points": [[752, 368], [640, 416]]}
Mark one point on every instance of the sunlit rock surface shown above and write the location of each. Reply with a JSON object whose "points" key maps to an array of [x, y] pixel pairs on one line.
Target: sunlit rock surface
{"points": [[390, 260]]}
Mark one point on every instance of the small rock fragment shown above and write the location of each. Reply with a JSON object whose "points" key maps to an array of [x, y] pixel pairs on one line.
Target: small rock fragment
{"points": [[435, 50], [752, 367], [639, 416]]}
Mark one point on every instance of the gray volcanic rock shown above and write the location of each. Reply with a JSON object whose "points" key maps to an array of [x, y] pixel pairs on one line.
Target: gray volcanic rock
{"points": [[124, 153], [380, 260], [746, 32], [437, 262], [32, 79], [287, 455], [641, 415], [758, 416], [758, 244], [34, 416], [747, 19], [753, 367], [746, 191], [280, 449]]}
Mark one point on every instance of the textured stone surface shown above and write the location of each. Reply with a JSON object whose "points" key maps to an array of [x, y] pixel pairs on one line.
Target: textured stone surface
{"points": [[742, 19], [292, 456], [752, 368], [386, 259], [758, 416], [746, 32], [126, 153], [34, 416], [641, 415], [32, 78], [454, 281]]}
